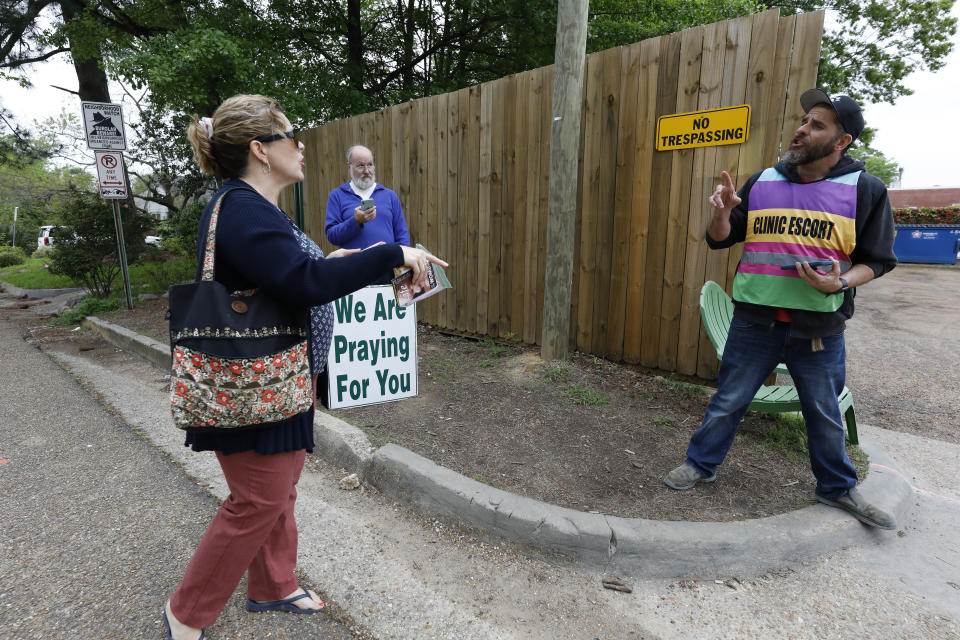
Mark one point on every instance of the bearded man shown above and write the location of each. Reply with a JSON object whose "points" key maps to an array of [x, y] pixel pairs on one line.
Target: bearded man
{"points": [[361, 213], [816, 205]]}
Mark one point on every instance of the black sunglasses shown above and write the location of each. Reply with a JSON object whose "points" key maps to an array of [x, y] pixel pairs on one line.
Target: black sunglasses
{"points": [[273, 137]]}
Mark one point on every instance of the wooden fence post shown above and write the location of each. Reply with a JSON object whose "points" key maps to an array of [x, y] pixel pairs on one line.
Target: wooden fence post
{"points": [[562, 204]]}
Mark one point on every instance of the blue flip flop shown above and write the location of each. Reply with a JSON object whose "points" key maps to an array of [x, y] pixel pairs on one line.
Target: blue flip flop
{"points": [[166, 623], [282, 605]]}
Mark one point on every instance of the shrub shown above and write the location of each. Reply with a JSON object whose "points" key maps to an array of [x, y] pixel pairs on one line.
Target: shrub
{"points": [[10, 256], [180, 232], [927, 215], [42, 253], [88, 256], [159, 275], [89, 307]]}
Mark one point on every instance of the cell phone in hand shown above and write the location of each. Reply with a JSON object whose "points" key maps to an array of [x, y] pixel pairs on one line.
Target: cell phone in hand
{"points": [[816, 264], [366, 204]]}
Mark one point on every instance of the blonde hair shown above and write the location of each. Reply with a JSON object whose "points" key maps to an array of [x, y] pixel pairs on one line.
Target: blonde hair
{"points": [[236, 122]]}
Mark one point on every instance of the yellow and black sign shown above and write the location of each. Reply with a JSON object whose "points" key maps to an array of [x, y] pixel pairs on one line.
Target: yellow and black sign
{"points": [[709, 128]]}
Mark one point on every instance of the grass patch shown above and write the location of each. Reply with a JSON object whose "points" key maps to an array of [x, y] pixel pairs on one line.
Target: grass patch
{"points": [[496, 350], [153, 277], [680, 385], [555, 372], [788, 435], [585, 397], [662, 421], [89, 307], [376, 437], [32, 274], [860, 460]]}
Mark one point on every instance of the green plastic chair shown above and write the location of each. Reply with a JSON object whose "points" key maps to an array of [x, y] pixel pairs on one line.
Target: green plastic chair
{"points": [[716, 311]]}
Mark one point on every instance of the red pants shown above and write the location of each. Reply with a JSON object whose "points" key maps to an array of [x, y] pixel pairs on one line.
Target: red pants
{"points": [[254, 531]]}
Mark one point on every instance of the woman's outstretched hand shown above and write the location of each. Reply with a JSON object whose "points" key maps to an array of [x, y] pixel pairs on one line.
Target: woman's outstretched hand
{"points": [[340, 253], [417, 260]]}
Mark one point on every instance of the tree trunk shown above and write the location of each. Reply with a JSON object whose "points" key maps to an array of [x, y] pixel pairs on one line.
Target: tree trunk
{"points": [[92, 78], [354, 66]]}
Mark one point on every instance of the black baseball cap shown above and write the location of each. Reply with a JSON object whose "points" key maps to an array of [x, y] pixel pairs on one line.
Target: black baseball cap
{"points": [[848, 111]]}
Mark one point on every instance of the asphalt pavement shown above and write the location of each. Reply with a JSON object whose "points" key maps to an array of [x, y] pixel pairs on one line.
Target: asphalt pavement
{"points": [[97, 523]]}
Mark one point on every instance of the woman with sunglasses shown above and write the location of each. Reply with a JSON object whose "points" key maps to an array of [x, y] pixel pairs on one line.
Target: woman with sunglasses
{"points": [[250, 144]]}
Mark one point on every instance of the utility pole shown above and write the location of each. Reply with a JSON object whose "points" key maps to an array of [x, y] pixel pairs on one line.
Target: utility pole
{"points": [[564, 149], [15, 209]]}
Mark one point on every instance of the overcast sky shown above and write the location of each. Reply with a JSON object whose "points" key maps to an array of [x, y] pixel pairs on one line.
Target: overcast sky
{"points": [[919, 132]]}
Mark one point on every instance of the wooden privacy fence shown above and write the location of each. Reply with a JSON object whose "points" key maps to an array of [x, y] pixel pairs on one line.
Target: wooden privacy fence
{"points": [[472, 169]]}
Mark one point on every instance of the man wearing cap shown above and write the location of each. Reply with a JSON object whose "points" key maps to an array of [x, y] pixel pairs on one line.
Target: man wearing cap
{"points": [[816, 204]]}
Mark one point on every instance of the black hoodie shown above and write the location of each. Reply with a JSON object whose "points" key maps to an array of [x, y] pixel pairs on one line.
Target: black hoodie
{"points": [[874, 248]]}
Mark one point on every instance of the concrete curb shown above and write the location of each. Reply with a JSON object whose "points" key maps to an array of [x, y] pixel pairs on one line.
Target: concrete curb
{"points": [[155, 352], [631, 546]]}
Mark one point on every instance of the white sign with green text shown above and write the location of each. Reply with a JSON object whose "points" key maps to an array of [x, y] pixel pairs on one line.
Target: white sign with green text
{"points": [[373, 354]]}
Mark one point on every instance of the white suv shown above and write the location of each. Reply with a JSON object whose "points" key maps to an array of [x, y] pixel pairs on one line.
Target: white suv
{"points": [[48, 234]]}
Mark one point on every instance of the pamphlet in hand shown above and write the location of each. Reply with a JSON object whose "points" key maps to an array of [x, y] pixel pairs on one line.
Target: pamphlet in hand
{"points": [[407, 293]]}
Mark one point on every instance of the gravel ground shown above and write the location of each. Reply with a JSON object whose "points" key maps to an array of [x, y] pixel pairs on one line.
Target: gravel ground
{"points": [[903, 351]]}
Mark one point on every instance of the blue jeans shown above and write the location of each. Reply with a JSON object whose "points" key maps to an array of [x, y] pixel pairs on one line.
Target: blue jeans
{"points": [[750, 355]]}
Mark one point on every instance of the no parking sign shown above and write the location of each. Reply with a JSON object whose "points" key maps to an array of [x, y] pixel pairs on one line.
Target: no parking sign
{"points": [[110, 176]]}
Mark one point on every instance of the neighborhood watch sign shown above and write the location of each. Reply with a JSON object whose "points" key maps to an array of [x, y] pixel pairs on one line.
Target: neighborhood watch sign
{"points": [[103, 124]]}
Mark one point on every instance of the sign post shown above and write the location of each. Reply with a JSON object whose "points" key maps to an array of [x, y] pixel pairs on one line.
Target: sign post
{"points": [[103, 124]]}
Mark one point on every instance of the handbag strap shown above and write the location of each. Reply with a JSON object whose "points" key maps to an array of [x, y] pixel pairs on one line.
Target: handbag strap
{"points": [[210, 246]]}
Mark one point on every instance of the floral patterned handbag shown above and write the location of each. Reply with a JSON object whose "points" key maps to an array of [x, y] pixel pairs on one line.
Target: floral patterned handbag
{"points": [[238, 359]]}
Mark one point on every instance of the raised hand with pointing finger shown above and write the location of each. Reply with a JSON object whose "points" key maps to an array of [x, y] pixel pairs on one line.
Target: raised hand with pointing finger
{"points": [[724, 198]]}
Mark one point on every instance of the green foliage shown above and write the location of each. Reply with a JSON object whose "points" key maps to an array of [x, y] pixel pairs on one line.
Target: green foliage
{"points": [[89, 307], [680, 385], [585, 397], [34, 274], [617, 22], [787, 434], [495, 349], [872, 47], [157, 276], [10, 256], [926, 215], [555, 372], [180, 230], [38, 190], [89, 256]]}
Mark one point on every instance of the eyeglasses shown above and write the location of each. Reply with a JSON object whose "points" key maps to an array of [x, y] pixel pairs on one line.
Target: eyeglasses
{"points": [[273, 137], [361, 167]]}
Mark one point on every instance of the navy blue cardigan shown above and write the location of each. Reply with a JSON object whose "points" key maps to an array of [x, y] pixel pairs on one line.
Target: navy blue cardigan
{"points": [[256, 248]]}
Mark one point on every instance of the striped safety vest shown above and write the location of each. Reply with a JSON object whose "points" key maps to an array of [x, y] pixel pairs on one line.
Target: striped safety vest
{"points": [[789, 222]]}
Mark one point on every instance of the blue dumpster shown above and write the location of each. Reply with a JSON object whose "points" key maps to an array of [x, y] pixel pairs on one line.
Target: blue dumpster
{"points": [[930, 243]]}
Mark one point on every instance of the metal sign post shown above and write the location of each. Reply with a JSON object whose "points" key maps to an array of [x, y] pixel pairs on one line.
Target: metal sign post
{"points": [[103, 123], [15, 209], [122, 252]]}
